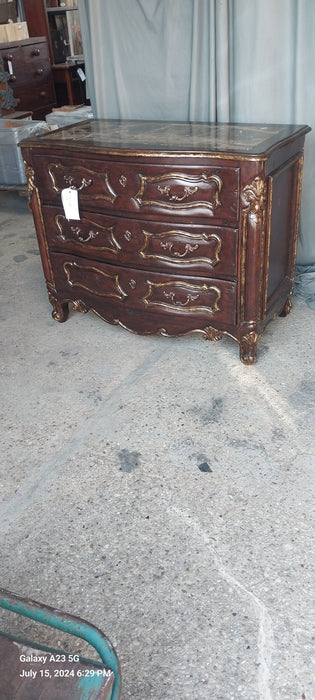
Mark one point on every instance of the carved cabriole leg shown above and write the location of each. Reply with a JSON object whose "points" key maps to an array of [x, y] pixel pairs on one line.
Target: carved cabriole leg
{"points": [[60, 309], [287, 307], [248, 347]]}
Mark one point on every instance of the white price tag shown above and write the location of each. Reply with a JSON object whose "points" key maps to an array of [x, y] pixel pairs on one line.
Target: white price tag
{"points": [[81, 74], [10, 67], [70, 203]]}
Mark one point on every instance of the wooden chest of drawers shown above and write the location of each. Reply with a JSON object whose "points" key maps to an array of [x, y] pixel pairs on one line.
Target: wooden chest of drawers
{"points": [[30, 75], [183, 227]]}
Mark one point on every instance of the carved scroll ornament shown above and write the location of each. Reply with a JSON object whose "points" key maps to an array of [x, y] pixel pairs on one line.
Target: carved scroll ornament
{"points": [[255, 197]]}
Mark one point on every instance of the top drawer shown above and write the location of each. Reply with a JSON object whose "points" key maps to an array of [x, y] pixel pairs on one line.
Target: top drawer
{"points": [[198, 191]]}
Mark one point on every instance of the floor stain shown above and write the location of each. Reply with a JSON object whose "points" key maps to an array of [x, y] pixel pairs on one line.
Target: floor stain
{"points": [[19, 258], [209, 415], [129, 461], [304, 396]]}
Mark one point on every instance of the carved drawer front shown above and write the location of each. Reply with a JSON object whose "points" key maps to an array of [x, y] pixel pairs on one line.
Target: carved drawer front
{"points": [[145, 190], [190, 249], [114, 292], [192, 191]]}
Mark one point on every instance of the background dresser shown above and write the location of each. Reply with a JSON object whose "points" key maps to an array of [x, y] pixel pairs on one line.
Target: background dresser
{"points": [[181, 227], [30, 75]]}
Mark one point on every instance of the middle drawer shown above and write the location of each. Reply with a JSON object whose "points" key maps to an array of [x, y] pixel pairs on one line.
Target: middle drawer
{"points": [[187, 248]]}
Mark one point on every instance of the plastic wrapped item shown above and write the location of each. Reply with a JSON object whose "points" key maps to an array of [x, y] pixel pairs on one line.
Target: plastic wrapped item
{"points": [[67, 117], [11, 161]]}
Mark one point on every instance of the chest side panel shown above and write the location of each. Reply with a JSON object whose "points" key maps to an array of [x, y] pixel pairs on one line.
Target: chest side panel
{"points": [[285, 185]]}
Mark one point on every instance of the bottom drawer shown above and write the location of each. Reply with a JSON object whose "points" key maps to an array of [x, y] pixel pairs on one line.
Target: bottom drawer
{"points": [[142, 301]]}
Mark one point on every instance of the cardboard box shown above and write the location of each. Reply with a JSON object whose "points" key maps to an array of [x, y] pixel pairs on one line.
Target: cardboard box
{"points": [[13, 31]]}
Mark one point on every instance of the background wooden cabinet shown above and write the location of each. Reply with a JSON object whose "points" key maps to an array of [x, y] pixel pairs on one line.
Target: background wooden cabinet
{"points": [[30, 75], [41, 17]]}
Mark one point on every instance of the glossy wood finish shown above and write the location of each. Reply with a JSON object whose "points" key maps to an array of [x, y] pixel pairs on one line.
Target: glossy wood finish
{"points": [[30, 75], [183, 227]]}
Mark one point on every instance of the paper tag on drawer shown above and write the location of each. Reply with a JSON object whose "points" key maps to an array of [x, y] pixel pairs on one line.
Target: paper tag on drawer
{"points": [[70, 203]]}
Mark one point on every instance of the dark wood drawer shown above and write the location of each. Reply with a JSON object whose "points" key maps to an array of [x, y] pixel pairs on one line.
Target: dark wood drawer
{"points": [[13, 63], [143, 190], [36, 95], [147, 300], [36, 54], [188, 249], [24, 62]]}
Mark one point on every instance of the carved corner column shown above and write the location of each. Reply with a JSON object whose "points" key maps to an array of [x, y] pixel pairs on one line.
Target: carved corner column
{"points": [[60, 310], [253, 233]]}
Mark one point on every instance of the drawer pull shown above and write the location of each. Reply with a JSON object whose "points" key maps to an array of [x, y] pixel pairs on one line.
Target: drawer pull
{"points": [[78, 233], [9, 57], [43, 93], [178, 302], [177, 254], [35, 52], [188, 191], [39, 71], [84, 183]]}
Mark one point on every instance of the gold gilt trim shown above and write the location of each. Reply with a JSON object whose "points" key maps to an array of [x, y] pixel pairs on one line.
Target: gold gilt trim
{"points": [[79, 305], [30, 177], [253, 214], [85, 182], [91, 234], [175, 255], [251, 338], [212, 333], [255, 197], [67, 266], [296, 217], [34, 204], [176, 201], [193, 294]]}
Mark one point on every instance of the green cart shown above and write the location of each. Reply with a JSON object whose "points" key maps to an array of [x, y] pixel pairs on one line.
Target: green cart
{"points": [[34, 672]]}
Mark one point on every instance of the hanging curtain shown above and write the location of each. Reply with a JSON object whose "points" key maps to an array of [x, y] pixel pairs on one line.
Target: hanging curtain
{"points": [[209, 60]]}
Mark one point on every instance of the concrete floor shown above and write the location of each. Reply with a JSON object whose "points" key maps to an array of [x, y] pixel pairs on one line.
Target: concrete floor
{"points": [[160, 489]]}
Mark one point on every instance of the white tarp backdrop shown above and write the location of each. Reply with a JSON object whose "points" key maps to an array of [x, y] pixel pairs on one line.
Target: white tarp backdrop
{"points": [[209, 60]]}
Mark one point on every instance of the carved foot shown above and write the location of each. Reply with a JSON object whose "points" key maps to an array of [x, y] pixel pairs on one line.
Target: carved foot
{"points": [[60, 311], [248, 348], [287, 307]]}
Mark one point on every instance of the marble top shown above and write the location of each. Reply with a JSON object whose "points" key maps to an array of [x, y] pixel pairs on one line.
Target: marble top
{"points": [[169, 137]]}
